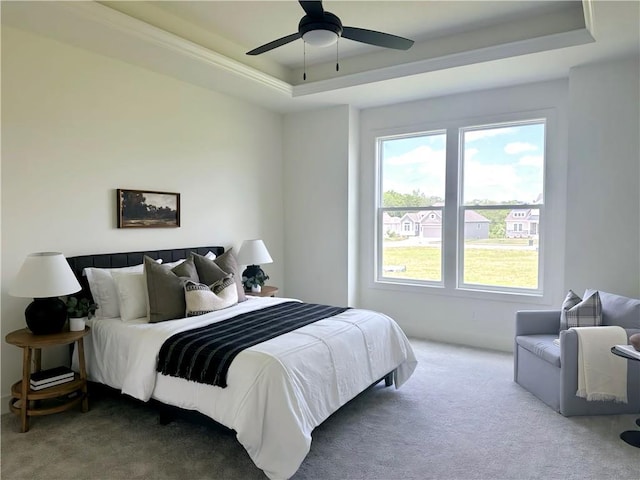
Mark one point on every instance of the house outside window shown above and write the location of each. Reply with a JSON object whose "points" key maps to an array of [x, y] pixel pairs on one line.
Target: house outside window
{"points": [[463, 185]]}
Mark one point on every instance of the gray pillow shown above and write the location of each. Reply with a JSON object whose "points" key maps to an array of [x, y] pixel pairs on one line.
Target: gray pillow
{"points": [[187, 269], [210, 271], [587, 313], [165, 289], [570, 301], [619, 310]]}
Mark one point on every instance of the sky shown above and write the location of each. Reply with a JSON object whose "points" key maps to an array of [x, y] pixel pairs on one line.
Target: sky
{"points": [[162, 200], [499, 164]]}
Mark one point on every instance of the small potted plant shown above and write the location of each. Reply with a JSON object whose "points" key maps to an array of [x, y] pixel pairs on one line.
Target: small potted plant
{"points": [[79, 310], [255, 281]]}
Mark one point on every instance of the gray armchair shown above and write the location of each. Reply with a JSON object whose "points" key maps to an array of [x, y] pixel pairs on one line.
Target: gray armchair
{"points": [[551, 372]]}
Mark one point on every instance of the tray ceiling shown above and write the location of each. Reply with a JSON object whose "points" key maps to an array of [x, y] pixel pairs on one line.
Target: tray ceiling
{"points": [[460, 45]]}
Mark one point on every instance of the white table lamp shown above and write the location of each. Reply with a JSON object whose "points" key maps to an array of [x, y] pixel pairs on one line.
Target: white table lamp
{"points": [[45, 276], [254, 253]]}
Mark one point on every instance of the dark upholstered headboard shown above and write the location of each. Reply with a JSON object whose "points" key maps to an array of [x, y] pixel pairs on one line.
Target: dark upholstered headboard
{"points": [[128, 259]]}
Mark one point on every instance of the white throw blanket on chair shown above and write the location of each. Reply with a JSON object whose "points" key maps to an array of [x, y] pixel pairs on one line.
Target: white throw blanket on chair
{"points": [[601, 374]]}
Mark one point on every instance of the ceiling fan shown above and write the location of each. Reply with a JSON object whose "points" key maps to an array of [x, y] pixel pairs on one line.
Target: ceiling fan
{"points": [[321, 28]]}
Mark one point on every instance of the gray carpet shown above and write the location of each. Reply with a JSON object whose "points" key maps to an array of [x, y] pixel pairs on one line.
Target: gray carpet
{"points": [[459, 417]]}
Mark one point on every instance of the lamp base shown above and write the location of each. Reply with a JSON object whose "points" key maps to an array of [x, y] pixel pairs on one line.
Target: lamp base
{"points": [[46, 315], [252, 271]]}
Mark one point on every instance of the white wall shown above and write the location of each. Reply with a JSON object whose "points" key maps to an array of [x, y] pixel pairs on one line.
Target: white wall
{"points": [[603, 230], [353, 208], [481, 320], [596, 112], [76, 126], [318, 159]]}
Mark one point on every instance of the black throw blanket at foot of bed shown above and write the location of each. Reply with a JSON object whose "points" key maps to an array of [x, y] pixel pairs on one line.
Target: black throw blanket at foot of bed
{"points": [[204, 354]]}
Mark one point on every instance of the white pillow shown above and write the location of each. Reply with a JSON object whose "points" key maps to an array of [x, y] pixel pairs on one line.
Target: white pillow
{"points": [[201, 299], [174, 264], [210, 255], [132, 295], [103, 288]]}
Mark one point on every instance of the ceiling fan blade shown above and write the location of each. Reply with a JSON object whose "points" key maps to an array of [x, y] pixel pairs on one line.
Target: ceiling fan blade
{"points": [[379, 39], [275, 44], [312, 8]]}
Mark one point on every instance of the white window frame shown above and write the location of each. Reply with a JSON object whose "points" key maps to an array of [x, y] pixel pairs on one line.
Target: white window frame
{"points": [[453, 220], [379, 236]]}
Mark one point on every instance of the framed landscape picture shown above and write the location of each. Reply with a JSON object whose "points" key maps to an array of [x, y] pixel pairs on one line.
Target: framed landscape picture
{"points": [[148, 209]]}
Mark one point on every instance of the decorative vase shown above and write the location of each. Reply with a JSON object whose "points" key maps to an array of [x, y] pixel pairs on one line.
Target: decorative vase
{"points": [[77, 324], [256, 288]]}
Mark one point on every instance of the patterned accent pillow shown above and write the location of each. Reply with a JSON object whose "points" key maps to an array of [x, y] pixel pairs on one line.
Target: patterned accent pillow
{"points": [[201, 299], [570, 301], [587, 313]]}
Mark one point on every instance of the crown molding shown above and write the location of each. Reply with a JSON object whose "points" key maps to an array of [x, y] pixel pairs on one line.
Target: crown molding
{"points": [[124, 23], [587, 8]]}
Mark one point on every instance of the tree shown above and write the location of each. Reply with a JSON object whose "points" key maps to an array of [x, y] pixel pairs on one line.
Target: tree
{"points": [[416, 198], [498, 225], [133, 205]]}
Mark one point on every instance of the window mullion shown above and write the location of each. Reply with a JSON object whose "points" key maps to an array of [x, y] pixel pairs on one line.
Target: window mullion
{"points": [[449, 232]]}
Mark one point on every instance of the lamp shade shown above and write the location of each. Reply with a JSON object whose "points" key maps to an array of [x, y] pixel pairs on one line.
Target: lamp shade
{"points": [[44, 275], [253, 252]]}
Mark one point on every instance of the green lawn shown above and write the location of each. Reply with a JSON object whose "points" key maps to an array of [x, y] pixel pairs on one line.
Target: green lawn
{"points": [[502, 241], [484, 266]]}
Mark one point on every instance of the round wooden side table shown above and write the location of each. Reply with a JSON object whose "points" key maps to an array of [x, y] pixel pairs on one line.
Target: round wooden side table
{"points": [[25, 401], [267, 291]]}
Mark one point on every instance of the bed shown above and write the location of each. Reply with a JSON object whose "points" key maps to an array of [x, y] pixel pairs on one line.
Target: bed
{"points": [[277, 391]]}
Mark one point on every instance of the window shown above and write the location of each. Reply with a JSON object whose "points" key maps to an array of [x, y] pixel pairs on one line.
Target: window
{"points": [[480, 197], [411, 185]]}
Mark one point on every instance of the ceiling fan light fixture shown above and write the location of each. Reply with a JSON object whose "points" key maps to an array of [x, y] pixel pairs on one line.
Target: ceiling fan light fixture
{"points": [[320, 38], [320, 28]]}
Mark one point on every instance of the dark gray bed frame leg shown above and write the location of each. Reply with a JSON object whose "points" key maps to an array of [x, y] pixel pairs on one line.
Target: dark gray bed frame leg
{"points": [[388, 379]]}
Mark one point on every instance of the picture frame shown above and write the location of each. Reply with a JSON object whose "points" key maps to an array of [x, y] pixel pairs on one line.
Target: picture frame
{"points": [[147, 209]]}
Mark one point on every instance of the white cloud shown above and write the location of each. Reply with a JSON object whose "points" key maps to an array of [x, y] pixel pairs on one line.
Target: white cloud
{"points": [[532, 161], [489, 181], [420, 154], [469, 153], [519, 147], [419, 169], [473, 135], [498, 182], [161, 200], [423, 168]]}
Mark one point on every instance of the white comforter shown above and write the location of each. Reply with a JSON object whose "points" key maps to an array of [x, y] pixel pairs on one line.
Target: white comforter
{"points": [[278, 391]]}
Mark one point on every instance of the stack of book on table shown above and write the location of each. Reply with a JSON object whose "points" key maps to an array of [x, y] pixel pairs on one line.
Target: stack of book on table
{"points": [[51, 377], [628, 351]]}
